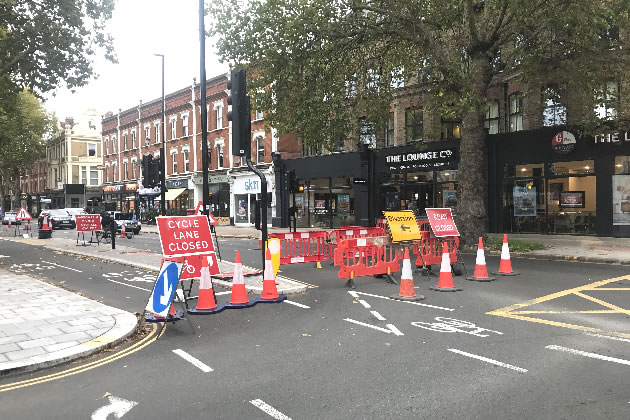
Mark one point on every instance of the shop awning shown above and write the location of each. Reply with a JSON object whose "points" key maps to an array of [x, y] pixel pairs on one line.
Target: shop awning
{"points": [[173, 193]]}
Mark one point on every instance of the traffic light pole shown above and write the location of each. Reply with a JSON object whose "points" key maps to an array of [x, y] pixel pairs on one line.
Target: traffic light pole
{"points": [[263, 202], [204, 111], [163, 148]]}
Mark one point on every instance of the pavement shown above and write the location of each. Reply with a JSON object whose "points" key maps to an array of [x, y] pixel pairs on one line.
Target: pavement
{"points": [[42, 325]]}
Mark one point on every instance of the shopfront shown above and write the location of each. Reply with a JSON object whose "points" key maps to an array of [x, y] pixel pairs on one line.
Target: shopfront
{"points": [[123, 196], [246, 190], [219, 195], [179, 195], [556, 181]]}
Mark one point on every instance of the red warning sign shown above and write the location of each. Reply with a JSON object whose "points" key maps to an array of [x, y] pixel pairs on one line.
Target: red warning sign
{"points": [[185, 235], [22, 214], [442, 222], [88, 222], [198, 211]]}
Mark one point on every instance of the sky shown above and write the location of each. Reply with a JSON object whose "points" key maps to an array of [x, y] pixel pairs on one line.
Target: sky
{"points": [[141, 28]]}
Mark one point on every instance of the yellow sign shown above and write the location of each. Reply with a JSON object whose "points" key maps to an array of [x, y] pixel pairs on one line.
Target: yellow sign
{"points": [[274, 249], [402, 225]]}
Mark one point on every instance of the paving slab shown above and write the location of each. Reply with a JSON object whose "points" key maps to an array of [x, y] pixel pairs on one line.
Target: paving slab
{"points": [[87, 326]]}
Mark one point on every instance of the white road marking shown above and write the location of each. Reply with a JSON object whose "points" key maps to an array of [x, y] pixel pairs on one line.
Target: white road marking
{"points": [[365, 304], [608, 337], [355, 294], [269, 409], [299, 305], [223, 293], [591, 355], [196, 362], [378, 316], [485, 359], [117, 406], [63, 266], [390, 328], [4, 256], [129, 285]]}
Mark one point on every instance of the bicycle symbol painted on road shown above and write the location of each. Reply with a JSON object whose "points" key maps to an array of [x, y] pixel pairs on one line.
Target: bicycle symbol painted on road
{"points": [[452, 325]]}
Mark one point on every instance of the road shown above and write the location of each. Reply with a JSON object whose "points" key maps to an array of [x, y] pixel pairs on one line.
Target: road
{"points": [[344, 353]]}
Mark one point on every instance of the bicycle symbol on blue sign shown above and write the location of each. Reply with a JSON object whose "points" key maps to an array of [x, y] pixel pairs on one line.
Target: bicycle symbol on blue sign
{"points": [[164, 288]]}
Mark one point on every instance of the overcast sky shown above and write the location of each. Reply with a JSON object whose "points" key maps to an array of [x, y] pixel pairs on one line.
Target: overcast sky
{"points": [[141, 28]]}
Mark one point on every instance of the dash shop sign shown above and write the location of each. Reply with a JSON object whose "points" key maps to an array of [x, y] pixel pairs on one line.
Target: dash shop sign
{"points": [[429, 159]]}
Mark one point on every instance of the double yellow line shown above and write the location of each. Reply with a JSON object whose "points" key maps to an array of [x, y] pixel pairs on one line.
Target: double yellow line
{"points": [[73, 371]]}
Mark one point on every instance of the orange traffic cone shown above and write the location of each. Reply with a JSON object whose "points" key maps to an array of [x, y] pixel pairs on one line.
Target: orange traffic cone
{"points": [[239, 297], [481, 271], [505, 266], [207, 302], [45, 225], [123, 233], [269, 292], [445, 282], [407, 290]]}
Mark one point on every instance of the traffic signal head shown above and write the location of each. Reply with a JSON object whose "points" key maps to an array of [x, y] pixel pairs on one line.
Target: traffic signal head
{"points": [[146, 171], [300, 188], [240, 113]]}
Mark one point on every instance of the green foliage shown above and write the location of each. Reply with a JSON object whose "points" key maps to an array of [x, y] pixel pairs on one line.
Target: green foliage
{"points": [[46, 42], [495, 243]]}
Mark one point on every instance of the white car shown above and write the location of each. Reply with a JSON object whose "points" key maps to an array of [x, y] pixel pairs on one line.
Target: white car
{"points": [[74, 211]]}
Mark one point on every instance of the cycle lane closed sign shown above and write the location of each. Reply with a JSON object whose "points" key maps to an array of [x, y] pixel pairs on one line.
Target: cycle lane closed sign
{"points": [[182, 236]]}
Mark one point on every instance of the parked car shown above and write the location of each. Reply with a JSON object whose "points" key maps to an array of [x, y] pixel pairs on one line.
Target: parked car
{"points": [[10, 217], [130, 223], [74, 211], [57, 219]]}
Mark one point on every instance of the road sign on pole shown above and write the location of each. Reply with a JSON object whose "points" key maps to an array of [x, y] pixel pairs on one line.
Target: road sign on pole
{"points": [[164, 288], [22, 214]]}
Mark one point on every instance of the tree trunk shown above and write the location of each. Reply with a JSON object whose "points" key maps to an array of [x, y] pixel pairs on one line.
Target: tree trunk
{"points": [[472, 188]]}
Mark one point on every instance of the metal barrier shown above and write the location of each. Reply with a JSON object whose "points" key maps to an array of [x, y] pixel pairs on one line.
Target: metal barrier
{"points": [[301, 247], [367, 257]]}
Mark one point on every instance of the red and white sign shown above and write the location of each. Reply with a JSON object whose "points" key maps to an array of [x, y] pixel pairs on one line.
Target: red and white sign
{"points": [[198, 211], [192, 266], [184, 235], [22, 214], [442, 222], [88, 222]]}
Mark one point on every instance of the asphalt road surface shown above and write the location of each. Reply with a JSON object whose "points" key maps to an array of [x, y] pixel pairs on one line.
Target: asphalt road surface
{"points": [[523, 347]]}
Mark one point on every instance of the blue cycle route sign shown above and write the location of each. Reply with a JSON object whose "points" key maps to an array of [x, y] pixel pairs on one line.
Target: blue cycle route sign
{"points": [[164, 288]]}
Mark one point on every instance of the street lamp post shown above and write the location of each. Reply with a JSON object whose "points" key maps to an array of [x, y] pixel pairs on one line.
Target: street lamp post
{"points": [[163, 148], [204, 111]]}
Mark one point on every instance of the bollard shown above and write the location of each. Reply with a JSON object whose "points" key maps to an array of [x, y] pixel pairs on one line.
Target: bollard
{"points": [[112, 230]]}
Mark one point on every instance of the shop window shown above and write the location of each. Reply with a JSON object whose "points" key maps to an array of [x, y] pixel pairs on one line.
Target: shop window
{"points": [[527, 171], [414, 124], [241, 215], [446, 176], [554, 112], [366, 133], [583, 167], [491, 122], [607, 101], [451, 129], [343, 197], [622, 165], [389, 131], [516, 111]]}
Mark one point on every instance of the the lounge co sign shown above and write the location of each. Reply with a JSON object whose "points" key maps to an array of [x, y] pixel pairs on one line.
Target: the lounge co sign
{"points": [[430, 159]]}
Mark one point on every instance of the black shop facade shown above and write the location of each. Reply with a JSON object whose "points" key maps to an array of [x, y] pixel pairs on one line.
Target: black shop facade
{"points": [[354, 188]]}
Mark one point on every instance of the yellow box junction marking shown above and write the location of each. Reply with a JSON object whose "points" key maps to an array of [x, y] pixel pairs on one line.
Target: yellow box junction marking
{"points": [[516, 311], [402, 225]]}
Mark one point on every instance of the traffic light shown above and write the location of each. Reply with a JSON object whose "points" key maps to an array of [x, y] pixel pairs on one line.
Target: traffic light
{"points": [[292, 182], [240, 115], [146, 170], [155, 171]]}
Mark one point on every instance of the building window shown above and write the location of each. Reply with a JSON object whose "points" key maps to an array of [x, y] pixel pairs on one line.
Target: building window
{"points": [[107, 174], [125, 141], [414, 124], [389, 130], [157, 133], [91, 149], [186, 161], [174, 162], [114, 172], [185, 124], [219, 156], [340, 144], [173, 128], [134, 143], [134, 167], [606, 108], [219, 114], [451, 129], [516, 111], [84, 179], [259, 115], [93, 175], [125, 170], [366, 133], [114, 144], [491, 122], [147, 135], [106, 146], [554, 112], [260, 150]]}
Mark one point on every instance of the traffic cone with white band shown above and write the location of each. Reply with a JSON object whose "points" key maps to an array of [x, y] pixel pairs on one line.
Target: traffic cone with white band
{"points": [[445, 282], [45, 225], [123, 233], [206, 303], [407, 290], [239, 297], [481, 271], [270, 291], [505, 266]]}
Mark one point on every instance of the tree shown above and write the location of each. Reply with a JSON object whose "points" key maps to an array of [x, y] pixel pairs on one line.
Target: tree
{"points": [[46, 42], [326, 63], [23, 127]]}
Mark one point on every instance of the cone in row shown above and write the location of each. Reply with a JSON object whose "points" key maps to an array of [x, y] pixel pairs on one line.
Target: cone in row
{"points": [[445, 282], [123, 233], [173, 316], [505, 266], [45, 225], [207, 301], [270, 291], [407, 290], [481, 270], [239, 298]]}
